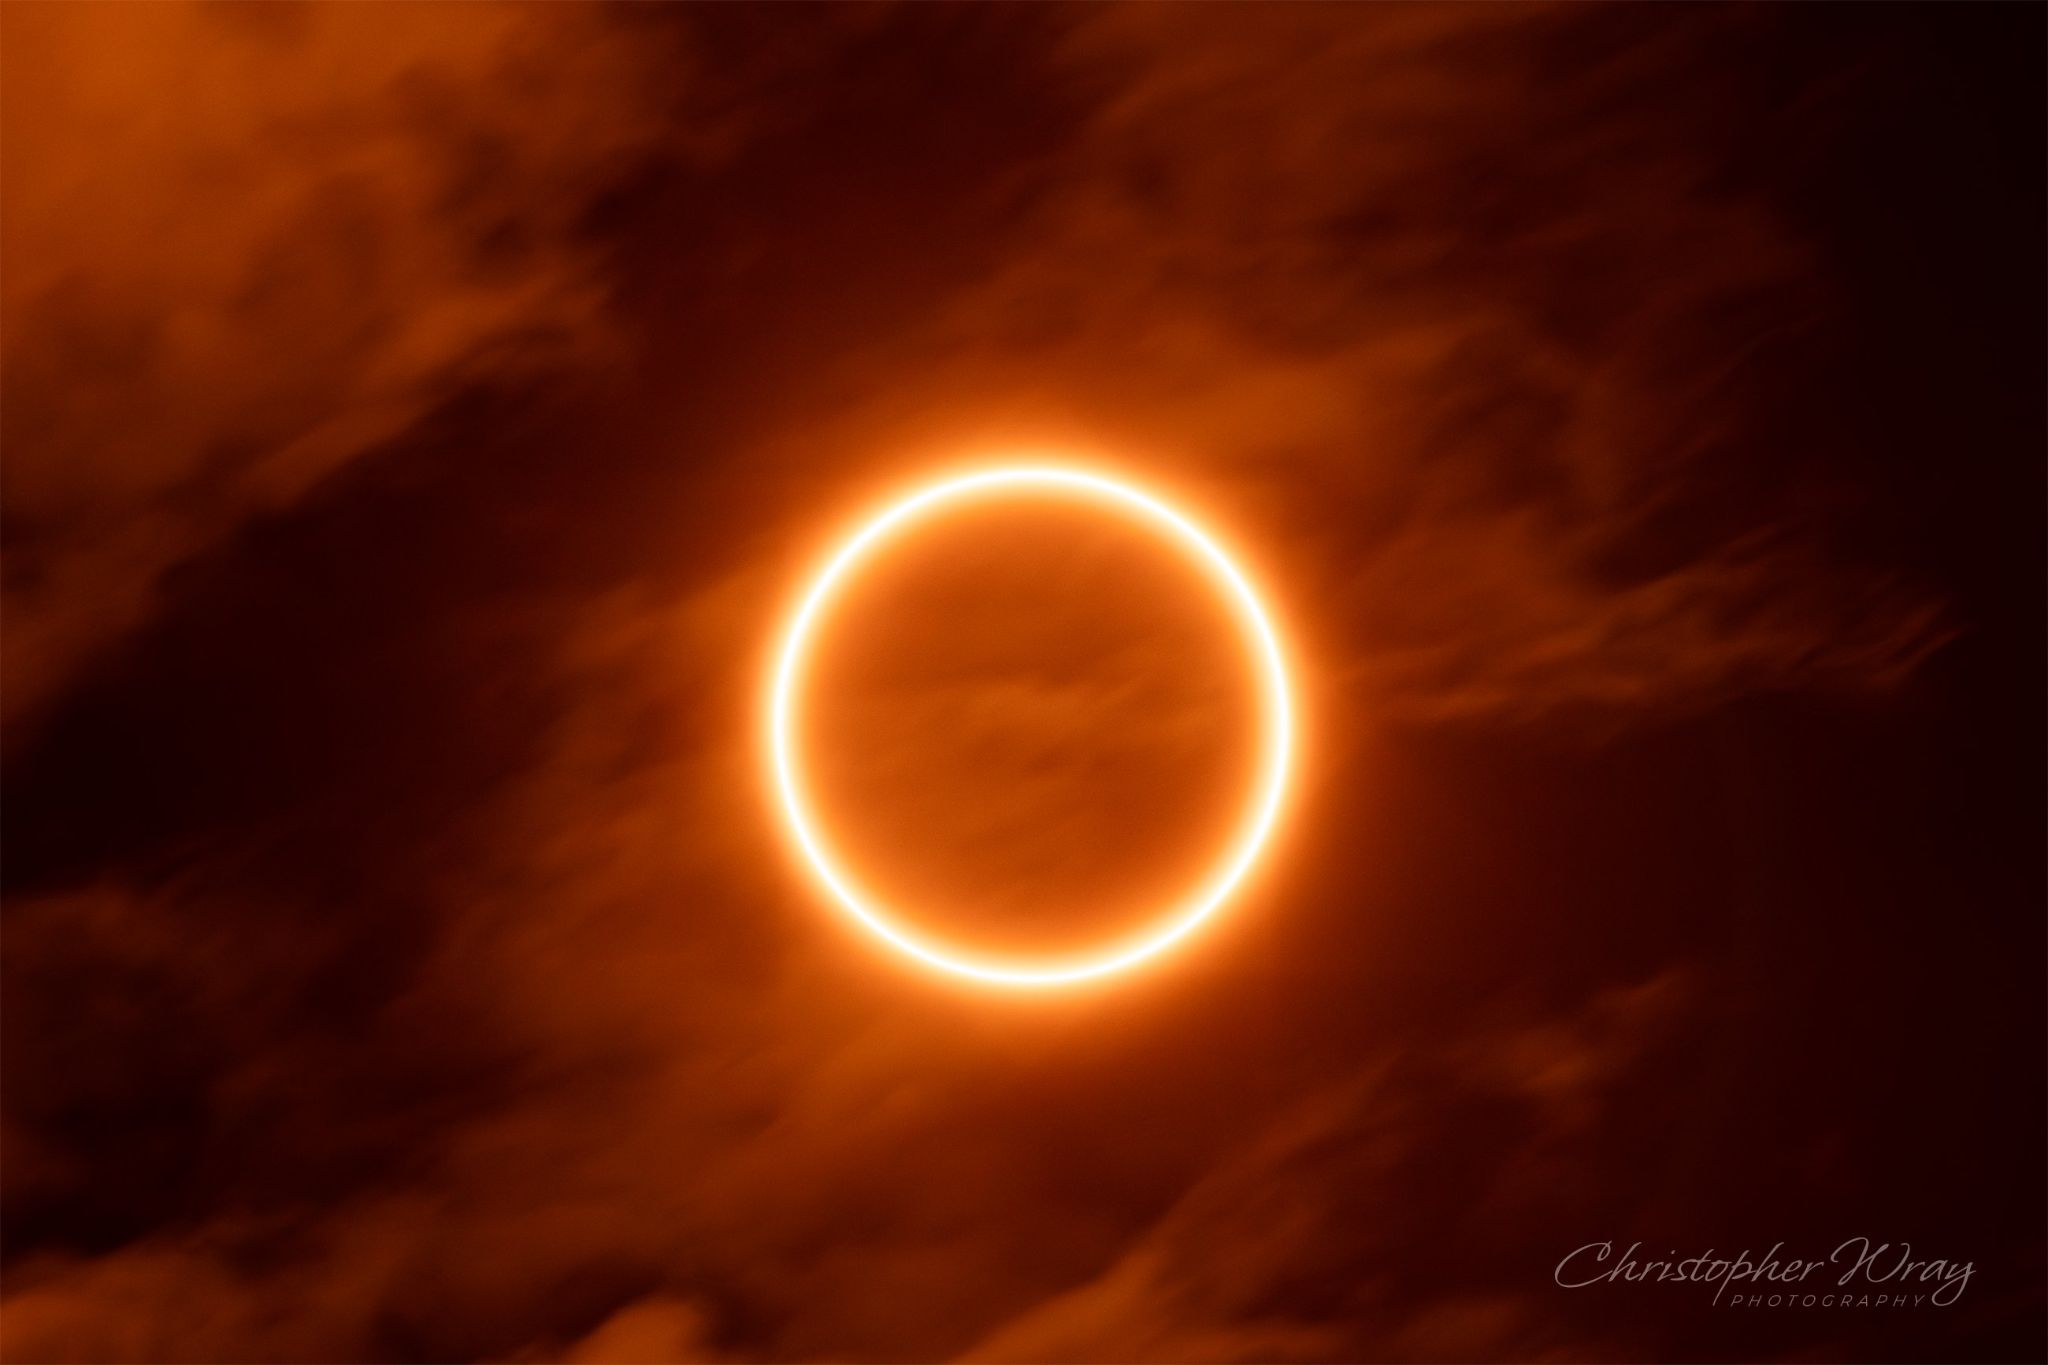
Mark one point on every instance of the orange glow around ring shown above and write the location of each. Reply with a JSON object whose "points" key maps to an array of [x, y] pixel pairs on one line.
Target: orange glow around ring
{"points": [[1261, 643]]}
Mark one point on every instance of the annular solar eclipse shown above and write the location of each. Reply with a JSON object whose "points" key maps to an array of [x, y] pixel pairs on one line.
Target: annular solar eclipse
{"points": [[897, 926]]}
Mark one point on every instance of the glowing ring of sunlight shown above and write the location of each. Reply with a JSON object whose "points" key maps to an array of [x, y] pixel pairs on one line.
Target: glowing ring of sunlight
{"points": [[1276, 724]]}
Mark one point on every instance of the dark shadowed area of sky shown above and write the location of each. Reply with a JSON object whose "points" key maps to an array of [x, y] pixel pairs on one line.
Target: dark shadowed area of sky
{"points": [[417, 420]]}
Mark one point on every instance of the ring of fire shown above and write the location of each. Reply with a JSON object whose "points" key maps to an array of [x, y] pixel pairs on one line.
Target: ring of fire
{"points": [[1262, 646]]}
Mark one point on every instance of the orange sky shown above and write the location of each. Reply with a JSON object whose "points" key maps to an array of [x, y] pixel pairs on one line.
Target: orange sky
{"points": [[418, 421]]}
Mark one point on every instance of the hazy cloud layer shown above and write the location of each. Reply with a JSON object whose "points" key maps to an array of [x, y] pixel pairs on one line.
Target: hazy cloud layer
{"points": [[1467, 302], [246, 245], [417, 418]]}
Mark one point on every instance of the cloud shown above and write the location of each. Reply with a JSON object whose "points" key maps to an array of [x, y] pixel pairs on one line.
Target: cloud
{"points": [[654, 1331], [706, 1126], [246, 246], [485, 1017], [1497, 364], [1468, 316], [1312, 1242], [715, 1141]]}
